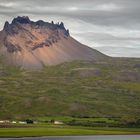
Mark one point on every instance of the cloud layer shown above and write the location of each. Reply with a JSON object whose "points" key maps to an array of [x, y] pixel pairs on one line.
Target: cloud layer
{"points": [[111, 26]]}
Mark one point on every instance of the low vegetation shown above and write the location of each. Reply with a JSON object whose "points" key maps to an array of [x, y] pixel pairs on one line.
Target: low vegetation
{"points": [[82, 91], [64, 131]]}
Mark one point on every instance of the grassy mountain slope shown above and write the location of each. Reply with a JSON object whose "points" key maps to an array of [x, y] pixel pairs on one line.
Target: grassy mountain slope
{"points": [[80, 88]]}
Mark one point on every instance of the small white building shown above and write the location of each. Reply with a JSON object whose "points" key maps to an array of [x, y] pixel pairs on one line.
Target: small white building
{"points": [[58, 122], [1, 121], [21, 122], [4, 121], [14, 122]]}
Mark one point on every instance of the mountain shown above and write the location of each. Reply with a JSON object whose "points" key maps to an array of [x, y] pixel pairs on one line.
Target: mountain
{"points": [[91, 86], [31, 45]]}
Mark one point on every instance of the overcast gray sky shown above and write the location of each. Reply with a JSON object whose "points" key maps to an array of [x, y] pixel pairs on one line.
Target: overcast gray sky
{"points": [[111, 26]]}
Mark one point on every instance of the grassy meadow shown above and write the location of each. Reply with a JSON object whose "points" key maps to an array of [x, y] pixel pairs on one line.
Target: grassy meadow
{"points": [[65, 131]]}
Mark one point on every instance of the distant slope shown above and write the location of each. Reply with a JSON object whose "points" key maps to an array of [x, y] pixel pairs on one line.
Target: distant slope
{"points": [[95, 89], [32, 45]]}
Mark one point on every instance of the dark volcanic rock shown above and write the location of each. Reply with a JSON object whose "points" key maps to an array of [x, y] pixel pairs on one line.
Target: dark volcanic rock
{"points": [[6, 26], [62, 25], [11, 29], [22, 20], [12, 48], [67, 33]]}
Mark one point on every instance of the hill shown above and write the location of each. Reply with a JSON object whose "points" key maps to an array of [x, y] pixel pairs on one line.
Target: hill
{"points": [[80, 88]]}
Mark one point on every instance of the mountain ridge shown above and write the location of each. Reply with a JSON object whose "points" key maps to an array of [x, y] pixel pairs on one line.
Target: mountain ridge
{"points": [[31, 45]]}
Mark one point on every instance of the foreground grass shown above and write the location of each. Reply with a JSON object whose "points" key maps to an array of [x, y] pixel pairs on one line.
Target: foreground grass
{"points": [[18, 132]]}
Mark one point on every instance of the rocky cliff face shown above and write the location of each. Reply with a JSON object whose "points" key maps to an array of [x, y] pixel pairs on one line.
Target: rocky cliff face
{"points": [[31, 45]]}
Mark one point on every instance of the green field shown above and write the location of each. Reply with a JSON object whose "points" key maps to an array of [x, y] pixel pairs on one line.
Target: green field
{"points": [[108, 90], [64, 131]]}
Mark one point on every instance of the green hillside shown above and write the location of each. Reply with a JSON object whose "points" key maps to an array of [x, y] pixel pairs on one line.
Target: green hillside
{"points": [[79, 89]]}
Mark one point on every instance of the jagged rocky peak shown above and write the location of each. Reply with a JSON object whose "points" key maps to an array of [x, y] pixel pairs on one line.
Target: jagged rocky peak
{"points": [[33, 44], [6, 24], [21, 20], [62, 25], [40, 34]]}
